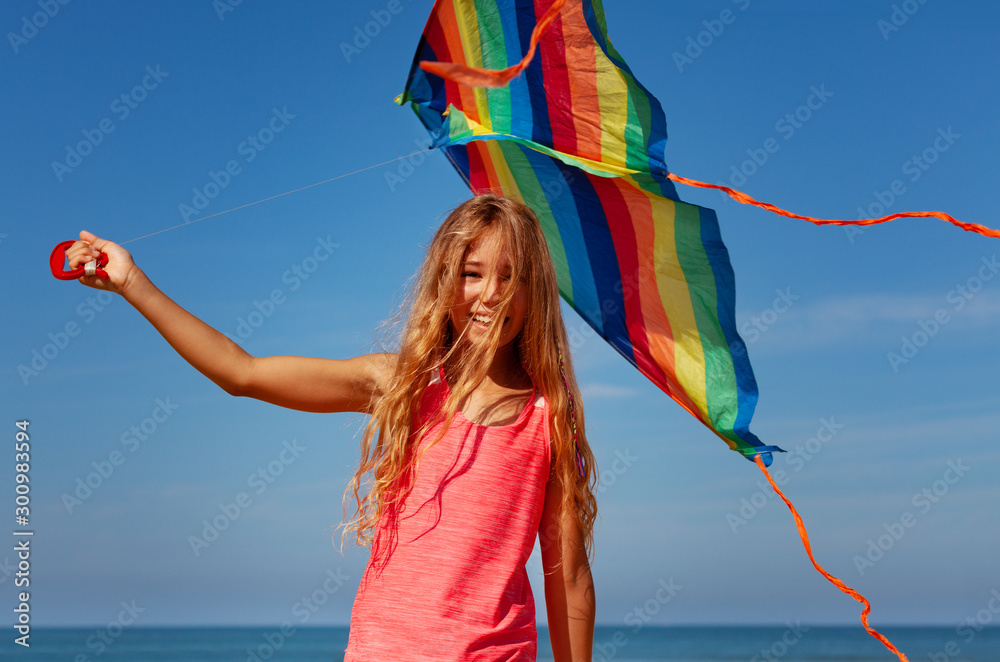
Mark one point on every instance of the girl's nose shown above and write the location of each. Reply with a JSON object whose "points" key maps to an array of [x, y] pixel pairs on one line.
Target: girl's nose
{"points": [[493, 289]]}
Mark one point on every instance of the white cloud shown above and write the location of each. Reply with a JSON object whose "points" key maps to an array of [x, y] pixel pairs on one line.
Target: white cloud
{"points": [[864, 319], [595, 390]]}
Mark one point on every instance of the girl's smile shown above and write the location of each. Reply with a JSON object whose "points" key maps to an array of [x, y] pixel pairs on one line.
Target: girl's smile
{"points": [[485, 273]]}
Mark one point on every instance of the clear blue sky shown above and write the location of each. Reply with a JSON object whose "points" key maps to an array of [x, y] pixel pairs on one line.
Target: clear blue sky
{"points": [[681, 507]]}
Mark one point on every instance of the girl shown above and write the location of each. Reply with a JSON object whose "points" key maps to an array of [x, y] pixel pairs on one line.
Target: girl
{"points": [[475, 442]]}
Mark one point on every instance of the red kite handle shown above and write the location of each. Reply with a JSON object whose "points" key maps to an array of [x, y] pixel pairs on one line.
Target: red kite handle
{"points": [[92, 268]]}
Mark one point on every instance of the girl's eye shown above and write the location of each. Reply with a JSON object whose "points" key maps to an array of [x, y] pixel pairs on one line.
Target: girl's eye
{"points": [[470, 274]]}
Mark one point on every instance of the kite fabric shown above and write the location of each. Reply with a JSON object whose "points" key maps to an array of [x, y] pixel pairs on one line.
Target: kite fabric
{"points": [[581, 142], [562, 124]]}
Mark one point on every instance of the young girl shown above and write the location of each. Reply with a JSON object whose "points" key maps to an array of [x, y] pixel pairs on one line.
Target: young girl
{"points": [[475, 442]]}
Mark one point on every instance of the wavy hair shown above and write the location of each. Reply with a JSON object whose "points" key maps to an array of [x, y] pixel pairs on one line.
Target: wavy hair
{"points": [[426, 343]]}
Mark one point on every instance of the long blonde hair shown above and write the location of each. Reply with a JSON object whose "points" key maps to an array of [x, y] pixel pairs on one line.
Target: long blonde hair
{"points": [[426, 343]]}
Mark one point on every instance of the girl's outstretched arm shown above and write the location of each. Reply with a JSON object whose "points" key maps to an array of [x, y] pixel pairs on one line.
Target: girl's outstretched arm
{"points": [[569, 586], [308, 384]]}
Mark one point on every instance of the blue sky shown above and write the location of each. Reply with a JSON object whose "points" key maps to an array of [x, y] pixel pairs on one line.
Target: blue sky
{"points": [[855, 105]]}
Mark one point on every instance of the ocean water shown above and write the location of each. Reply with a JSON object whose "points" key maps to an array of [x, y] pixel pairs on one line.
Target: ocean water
{"points": [[792, 642]]}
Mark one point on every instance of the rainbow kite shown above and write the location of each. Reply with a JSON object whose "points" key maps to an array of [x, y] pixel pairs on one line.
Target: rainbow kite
{"points": [[529, 99], [581, 141]]}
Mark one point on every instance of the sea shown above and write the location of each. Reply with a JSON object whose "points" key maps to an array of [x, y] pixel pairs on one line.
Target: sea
{"points": [[787, 643]]}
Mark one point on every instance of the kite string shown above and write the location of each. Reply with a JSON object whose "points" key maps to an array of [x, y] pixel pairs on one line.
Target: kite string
{"points": [[257, 202], [739, 196], [745, 199], [833, 580]]}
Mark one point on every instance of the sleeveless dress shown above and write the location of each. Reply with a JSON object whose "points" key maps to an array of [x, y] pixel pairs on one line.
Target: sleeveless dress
{"points": [[447, 580]]}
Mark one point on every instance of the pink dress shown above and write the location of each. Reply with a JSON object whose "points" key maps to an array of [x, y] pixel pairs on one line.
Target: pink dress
{"points": [[447, 578]]}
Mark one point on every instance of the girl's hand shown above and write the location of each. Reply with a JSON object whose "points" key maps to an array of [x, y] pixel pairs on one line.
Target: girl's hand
{"points": [[121, 269]]}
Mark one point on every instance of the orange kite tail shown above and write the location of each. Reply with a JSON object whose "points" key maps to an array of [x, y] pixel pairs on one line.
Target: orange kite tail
{"points": [[833, 580], [747, 200], [477, 77]]}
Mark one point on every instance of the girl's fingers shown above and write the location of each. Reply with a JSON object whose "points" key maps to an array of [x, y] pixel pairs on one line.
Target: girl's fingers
{"points": [[118, 267], [93, 240], [80, 253]]}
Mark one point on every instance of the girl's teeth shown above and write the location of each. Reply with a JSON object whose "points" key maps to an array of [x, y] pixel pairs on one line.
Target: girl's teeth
{"points": [[485, 320]]}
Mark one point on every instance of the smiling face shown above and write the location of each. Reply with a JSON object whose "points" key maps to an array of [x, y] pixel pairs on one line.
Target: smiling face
{"points": [[484, 276]]}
